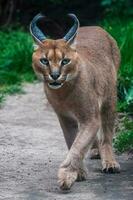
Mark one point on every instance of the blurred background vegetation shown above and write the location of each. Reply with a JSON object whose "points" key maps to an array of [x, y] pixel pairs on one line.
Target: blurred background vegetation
{"points": [[116, 16]]}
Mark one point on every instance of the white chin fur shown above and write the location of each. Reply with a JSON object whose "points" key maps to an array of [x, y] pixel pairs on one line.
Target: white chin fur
{"points": [[55, 87]]}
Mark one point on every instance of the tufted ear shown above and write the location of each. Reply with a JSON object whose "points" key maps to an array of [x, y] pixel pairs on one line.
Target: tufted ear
{"points": [[70, 37], [35, 31]]}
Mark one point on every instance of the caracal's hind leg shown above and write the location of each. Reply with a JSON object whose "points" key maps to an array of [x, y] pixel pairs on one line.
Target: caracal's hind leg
{"points": [[109, 164], [94, 151], [70, 129]]}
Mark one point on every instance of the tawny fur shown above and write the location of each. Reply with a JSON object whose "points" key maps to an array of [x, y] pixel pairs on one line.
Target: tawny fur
{"points": [[85, 104]]}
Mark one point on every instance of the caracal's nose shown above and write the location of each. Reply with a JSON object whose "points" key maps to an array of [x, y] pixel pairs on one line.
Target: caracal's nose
{"points": [[55, 75]]}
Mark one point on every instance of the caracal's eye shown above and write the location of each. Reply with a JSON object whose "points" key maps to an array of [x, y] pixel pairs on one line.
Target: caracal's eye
{"points": [[65, 61], [44, 61]]}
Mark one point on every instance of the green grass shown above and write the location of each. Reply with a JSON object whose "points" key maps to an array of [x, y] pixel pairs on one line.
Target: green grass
{"points": [[124, 138], [12, 89], [124, 141], [122, 31], [15, 61], [16, 48], [2, 97]]}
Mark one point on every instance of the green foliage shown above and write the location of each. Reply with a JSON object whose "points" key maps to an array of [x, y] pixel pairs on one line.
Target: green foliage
{"points": [[118, 8], [124, 138], [2, 98], [15, 61], [12, 89], [122, 32], [16, 51], [124, 141]]}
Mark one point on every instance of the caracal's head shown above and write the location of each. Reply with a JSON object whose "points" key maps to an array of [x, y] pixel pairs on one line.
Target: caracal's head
{"points": [[55, 60]]}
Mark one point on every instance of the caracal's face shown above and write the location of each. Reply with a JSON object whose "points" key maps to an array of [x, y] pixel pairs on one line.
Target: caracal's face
{"points": [[56, 61]]}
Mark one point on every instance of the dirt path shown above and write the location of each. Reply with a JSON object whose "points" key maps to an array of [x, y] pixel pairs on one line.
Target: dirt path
{"points": [[31, 149]]}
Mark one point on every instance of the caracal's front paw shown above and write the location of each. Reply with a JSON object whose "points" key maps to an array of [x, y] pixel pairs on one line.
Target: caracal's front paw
{"points": [[110, 166], [66, 177]]}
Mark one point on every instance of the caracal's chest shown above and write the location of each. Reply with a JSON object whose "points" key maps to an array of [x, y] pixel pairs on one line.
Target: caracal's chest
{"points": [[75, 108]]}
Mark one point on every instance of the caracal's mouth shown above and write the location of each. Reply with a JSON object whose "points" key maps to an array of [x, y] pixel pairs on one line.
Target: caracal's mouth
{"points": [[55, 85]]}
